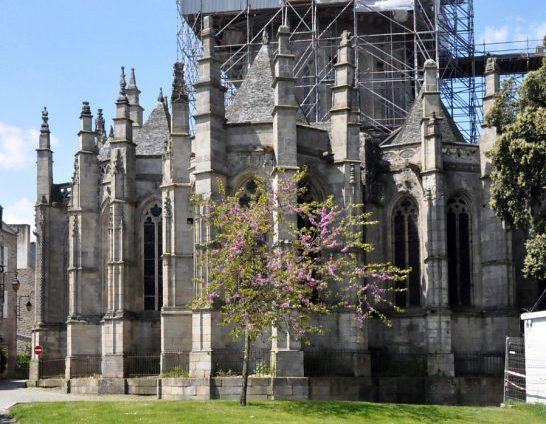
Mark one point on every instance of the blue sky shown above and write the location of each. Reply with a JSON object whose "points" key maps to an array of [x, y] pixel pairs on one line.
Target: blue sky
{"points": [[58, 53]]}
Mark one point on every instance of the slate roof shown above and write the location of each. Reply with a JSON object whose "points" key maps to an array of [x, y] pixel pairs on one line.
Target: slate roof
{"points": [[104, 151], [410, 131], [254, 99], [150, 138]]}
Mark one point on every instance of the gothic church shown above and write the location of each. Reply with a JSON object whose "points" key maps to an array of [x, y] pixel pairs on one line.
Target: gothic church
{"points": [[116, 246]]}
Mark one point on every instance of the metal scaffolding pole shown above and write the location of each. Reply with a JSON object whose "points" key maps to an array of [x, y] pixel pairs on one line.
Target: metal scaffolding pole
{"points": [[390, 49]]}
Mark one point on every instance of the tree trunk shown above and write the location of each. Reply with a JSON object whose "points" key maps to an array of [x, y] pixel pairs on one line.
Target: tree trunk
{"points": [[246, 360]]}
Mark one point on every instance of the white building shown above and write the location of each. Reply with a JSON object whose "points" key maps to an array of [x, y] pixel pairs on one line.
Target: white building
{"points": [[535, 356]]}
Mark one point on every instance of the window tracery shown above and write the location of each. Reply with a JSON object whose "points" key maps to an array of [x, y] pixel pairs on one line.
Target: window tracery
{"points": [[152, 266], [407, 251], [458, 252]]}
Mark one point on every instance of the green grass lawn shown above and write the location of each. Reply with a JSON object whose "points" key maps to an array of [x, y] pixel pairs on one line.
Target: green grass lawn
{"points": [[226, 412]]}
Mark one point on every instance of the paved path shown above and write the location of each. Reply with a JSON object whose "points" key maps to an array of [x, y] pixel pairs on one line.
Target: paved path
{"points": [[14, 391]]}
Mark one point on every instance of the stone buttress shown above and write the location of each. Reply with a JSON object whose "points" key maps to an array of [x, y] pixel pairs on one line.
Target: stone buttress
{"points": [[84, 281], [208, 170], [438, 318], [286, 353], [50, 284], [116, 330], [178, 287]]}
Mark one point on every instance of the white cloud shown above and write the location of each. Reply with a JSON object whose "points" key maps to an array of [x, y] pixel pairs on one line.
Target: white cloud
{"points": [[382, 5], [17, 146], [517, 29], [495, 35], [19, 212]]}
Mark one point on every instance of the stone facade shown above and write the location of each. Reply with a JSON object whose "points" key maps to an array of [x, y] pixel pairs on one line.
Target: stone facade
{"points": [[25, 295], [116, 246], [8, 298]]}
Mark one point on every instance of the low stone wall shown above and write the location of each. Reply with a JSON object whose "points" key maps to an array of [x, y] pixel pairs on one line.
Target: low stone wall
{"points": [[230, 388], [183, 388], [146, 386], [423, 390]]}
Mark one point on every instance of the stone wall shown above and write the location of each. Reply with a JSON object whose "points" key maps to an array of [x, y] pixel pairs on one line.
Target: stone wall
{"points": [[480, 391], [8, 308], [25, 319]]}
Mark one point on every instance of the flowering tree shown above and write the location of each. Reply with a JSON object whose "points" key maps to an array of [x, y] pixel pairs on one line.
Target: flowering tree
{"points": [[260, 281]]}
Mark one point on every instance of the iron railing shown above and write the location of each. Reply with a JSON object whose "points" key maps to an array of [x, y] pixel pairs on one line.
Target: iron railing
{"points": [[230, 362], [387, 364], [85, 365], [142, 366], [479, 364], [175, 362], [338, 363], [52, 368]]}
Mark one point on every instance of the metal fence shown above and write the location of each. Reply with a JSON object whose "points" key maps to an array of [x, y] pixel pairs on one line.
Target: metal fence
{"points": [[176, 362], [514, 370], [230, 362], [85, 365], [142, 366], [479, 364], [327, 362], [386, 364], [52, 368], [21, 373]]}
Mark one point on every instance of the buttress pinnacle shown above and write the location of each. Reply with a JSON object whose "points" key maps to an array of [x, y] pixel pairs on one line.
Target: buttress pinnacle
{"points": [[132, 79], [122, 85], [180, 92], [45, 118]]}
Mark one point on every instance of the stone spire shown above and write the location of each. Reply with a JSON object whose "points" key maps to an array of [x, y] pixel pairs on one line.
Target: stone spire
{"points": [[132, 80], [87, 138], [44, 160], [122, 121], [492, 83], [122, 84], [431, 90], [344, 117], [45, 125], [133, 95], [285, 106], [210, 115], [100, 123], [180, 92], [160, 97]]}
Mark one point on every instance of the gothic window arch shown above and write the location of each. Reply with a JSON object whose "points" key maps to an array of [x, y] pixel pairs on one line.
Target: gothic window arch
{"points": [[152, 269], [458, 251], [406, 250], [249, 190], [307, 193]]}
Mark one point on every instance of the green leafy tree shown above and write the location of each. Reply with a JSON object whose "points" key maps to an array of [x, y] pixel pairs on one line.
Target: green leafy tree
{"points": [[259, 283], [519, 164]]}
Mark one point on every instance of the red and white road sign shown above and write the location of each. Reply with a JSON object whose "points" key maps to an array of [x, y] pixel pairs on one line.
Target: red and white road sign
{"points": [[38, 350]]}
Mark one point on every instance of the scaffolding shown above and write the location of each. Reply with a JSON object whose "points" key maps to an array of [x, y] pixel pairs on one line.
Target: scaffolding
{"points": [[392, 40]]}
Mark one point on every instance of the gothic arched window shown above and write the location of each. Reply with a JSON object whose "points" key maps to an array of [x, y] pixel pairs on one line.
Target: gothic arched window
{"points": [[406, 251], [458, 251], [152, 267], [249, 190]]}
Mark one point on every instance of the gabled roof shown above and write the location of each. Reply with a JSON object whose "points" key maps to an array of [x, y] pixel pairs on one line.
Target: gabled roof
{"points": [[150, 138], [410, 131], [104, 151], [254, 99]]}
